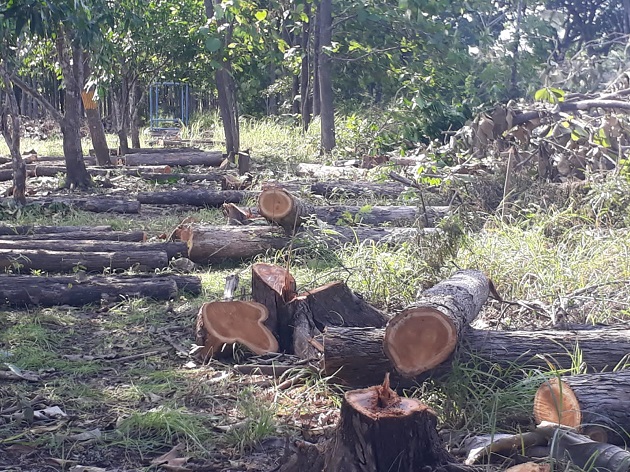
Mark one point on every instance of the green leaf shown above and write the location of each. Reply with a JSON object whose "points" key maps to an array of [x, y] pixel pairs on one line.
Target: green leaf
{"points": [[261, 15], [213, 44]]}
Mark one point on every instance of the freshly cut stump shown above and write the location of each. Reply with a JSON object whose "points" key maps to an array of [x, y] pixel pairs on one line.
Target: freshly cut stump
{"points": [[426, 333], [379, 431], [596, 404], [220, 323]]}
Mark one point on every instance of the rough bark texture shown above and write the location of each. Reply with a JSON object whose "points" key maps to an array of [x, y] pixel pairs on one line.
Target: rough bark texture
{"points": [[89, 234], [172, 249], [10, 125], [588, 401], [35, 229], [156, 173], [195, 158], [275, 287], [102, 204], [167, 177], [327, 110], [380, 432], [26, 260], [349, 189], [220, 323], [305, 101], [93, 115], [28, 290], [426, 333], [209, 244], [348, 350], [201, 198], [376, 215]]}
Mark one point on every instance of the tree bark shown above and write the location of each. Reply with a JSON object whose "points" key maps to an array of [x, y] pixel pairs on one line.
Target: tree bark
{"points": [[10, 125], [60, 261], [321, 172], [275, 287], [172, 249], [135, 99], [201, 158], [77, 235], [93, 114], [316, 49], [35, 229], [200, 198], [591, 403], [280, 207], [29, 290], [427, 332], [325, 77], [93, 204], [305, 73], [348, 350]]}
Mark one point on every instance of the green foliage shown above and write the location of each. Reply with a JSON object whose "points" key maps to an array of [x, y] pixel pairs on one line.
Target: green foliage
{"points": [[549, 94]]}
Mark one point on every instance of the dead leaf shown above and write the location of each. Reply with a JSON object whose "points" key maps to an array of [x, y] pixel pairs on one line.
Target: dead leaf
{"points": [[84, 468], [86, 435], [172, 461], [49, 413]]}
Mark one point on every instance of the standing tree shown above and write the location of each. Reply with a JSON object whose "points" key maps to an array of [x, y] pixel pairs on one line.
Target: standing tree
{"points": [[326, 110]]}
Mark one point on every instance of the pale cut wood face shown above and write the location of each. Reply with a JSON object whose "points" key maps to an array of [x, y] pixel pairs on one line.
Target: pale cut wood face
{"points": [[275, 203], [555, 402]]}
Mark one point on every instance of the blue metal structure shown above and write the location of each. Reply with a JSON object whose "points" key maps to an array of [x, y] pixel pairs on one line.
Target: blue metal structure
{"points": [[169, 105]]}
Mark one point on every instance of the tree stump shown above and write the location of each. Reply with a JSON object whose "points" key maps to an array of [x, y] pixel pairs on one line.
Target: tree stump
{"points": [[220, 323], [596, 404], [426, 333], [382, 432]]}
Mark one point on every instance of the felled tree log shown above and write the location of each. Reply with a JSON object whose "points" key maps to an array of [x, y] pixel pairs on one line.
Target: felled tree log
{"points": [[378, 431], [352, 189], [101, 204], [28, 290], [171, 249], [59, 261], [426, 333], [329, 172], [208, 244], [592, 403], [88, 234], [221, 323], [36, 170], [348, 350], [200, 198], [376, 215], [275, 287], [161, 150], [37, 229], [333, 304], [157, 177], [213, 159], [278, 206]]}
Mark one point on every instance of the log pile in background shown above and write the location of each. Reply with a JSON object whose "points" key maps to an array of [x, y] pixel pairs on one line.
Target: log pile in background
{"points": [[211, 159]]}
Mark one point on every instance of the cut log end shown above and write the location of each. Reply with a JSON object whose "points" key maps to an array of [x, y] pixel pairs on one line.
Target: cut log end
{"points": [[220, 323], [382, 402], [418, 340], [275, 203], [555, 402], [276, 278]]}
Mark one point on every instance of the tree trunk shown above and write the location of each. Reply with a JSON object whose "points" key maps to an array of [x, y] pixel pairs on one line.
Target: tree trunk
{"points": [[325, 77], [228, 108], [348, 189], [305, 72], [201, 198], [93, 114], [135, 101], [316, 48], [102, 204], [321, 172], [60, 261], [28, 290], [10, 124], [280, 207], [71, 63], [593, 403], [33, 229], [426, 333]]}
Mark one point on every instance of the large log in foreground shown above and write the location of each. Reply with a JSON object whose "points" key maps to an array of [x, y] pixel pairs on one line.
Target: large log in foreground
{"points": [[348, 350], [29, 290], [63, 261], [426, 333], [213, 159], [378, 431], [597, 404], [200, 198]]}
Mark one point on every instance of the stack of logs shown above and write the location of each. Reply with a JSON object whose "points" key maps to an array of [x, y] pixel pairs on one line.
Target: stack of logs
{"points": [[357, 345]]}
